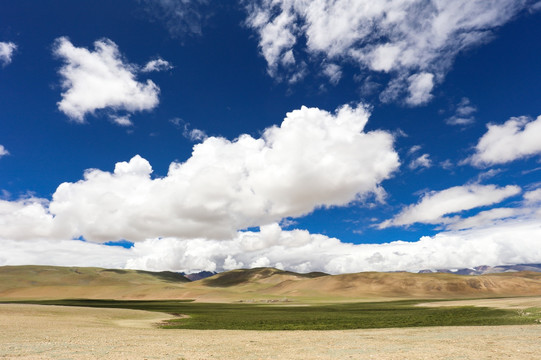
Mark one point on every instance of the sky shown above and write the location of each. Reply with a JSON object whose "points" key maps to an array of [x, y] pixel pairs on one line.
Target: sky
{"points": [[330, 135]]}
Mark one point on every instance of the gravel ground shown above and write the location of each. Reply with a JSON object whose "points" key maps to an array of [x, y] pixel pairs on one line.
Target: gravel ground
{"points": [[45, 332]]}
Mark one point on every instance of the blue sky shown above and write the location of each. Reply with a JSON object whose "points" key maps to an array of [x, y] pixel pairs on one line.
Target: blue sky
{"points": [[411, 138]]}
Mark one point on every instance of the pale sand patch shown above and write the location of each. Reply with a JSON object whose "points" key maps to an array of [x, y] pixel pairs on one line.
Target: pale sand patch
{"points": [[503, 303], [43, 332]]}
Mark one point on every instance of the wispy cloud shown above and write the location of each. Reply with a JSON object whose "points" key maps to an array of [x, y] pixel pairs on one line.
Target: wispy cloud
{"points": [[415, 42], [463, 113], [434, 206], [121, 120], [157, 65], [180, 17], [422, 161]]}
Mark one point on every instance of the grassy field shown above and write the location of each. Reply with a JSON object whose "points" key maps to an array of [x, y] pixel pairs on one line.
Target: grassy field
{"points": [[206, 316]]}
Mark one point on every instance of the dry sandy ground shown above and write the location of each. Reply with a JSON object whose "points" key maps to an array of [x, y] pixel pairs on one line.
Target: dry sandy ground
{"points": [[45, 332], [502, 303]]}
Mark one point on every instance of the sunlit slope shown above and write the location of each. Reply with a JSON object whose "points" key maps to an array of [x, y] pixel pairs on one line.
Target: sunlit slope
{"points": [[264, 276], [408, 285], [48, 282], [93, 283]]}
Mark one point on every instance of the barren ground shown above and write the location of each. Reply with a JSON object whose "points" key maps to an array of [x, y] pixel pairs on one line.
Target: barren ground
{"points": [[501, 303], [46, 332]]}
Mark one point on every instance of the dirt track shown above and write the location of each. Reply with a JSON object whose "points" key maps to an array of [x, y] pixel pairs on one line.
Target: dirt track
{"points": [[40, 332]]}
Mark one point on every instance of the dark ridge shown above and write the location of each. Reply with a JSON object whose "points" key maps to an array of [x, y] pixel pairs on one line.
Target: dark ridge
{"points": [[168, 276], [116, 271], [240, 276], [199, 275]]}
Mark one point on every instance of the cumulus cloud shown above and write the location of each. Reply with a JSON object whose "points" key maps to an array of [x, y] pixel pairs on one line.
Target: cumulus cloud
{"points": [[433, 206], [6, 52], [3, 151], [517, 138], [99, 79], [180, 17], [28, 219], [314, 159], [157, 65], [510, 242], [413, 41], [62, 252]]}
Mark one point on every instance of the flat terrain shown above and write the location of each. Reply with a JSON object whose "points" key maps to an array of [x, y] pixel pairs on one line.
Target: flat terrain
{"points": [[517, 303], [338, 316], [51, 332]]}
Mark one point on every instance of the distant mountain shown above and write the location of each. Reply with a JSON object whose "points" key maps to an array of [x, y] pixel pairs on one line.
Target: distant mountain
{"points": [[259, 275], [485, 269], [264, 284], [200, 275]]}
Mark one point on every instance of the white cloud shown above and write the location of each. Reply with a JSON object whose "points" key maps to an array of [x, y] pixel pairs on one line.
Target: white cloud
{"points": [[195, 134], [100, 79], [276, 37], [434, 205], [28, 219], [60, 252], [3, 151], [121, 120], [484, 218], [414, 149], [314, 159], [533, 197], [401, 38], [420, 88], [6, 52], [510, 242], [463, 113], [333, 72], [422, 161], [517, 138], [157, 65]]}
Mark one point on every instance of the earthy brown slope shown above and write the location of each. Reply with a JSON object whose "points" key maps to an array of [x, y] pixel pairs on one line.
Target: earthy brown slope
{"points": [[80, 282], [408, 285], [42, 282], [256, 275]]}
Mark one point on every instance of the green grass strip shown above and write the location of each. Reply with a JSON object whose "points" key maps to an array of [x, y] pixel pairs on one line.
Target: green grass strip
{"points": [[365, 315]]}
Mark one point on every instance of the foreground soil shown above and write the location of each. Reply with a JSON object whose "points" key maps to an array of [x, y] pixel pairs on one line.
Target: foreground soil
{"points": [[51, 332]]}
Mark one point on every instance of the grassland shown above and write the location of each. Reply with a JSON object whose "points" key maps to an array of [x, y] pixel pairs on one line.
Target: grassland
{"points": [[364, 315], [272, 299]]}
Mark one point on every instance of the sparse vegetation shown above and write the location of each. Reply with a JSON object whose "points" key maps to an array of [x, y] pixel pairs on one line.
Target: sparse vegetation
{"points": [[206, 316]]}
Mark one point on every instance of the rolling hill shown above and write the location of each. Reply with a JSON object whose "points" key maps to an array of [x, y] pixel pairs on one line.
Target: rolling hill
{"points": [[259, 284]]}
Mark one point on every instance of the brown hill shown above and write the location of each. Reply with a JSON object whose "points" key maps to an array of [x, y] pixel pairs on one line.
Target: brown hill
{"points": [[408, 285], [80, 282], [268, 284], [256, 275]]}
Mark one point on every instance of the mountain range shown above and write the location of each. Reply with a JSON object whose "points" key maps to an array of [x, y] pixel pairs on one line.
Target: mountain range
{"points": [[261, 284]]}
